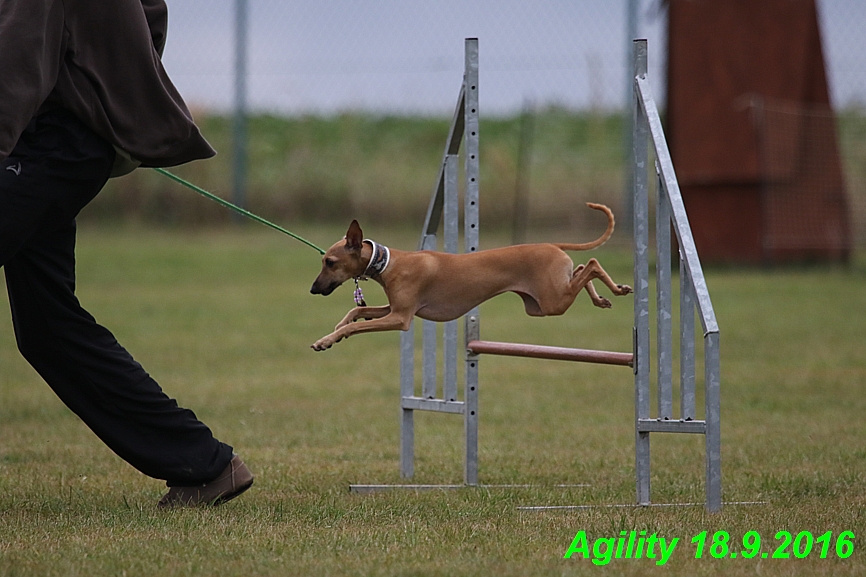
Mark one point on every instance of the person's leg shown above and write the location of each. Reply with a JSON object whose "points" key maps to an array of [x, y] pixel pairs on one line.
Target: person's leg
{"points": [[59, 167]]}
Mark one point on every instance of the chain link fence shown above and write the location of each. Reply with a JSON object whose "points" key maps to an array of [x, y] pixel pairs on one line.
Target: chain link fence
{"points": [[330, 75]]}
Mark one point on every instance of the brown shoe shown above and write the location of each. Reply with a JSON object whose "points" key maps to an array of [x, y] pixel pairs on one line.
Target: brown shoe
{"points": [[233, 481]]}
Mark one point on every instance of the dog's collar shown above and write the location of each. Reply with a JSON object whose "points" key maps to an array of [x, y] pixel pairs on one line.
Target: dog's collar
{"points": [[378, 260]]}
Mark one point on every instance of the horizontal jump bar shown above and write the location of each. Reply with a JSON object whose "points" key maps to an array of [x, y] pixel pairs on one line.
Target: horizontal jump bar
{"points": [[554, 353]]}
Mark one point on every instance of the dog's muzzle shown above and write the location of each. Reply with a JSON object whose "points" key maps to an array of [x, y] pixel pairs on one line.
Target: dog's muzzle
{"points": [[317, 290]]}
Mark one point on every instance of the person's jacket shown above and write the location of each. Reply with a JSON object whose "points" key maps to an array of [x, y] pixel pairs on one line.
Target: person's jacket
{"points": [[99, 59]]}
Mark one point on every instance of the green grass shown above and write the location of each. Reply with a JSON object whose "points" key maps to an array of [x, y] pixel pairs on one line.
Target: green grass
{"points": [[224, 320]]}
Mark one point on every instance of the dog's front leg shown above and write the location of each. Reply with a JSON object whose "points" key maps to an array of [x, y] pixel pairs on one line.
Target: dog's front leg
{"points": [[390, 322], [367, 313]]}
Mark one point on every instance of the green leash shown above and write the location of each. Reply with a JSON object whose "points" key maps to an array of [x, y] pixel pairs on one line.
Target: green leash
{"points": [[236, 208]]}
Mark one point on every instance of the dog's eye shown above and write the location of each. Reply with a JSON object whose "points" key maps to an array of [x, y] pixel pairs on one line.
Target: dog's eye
{"points": [[329, 262]]}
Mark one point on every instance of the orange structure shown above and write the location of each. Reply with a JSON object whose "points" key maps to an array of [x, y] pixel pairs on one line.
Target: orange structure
{"points": [[752, 132]]}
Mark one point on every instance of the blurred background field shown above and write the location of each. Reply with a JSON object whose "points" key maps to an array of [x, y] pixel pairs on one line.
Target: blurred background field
{"points": [[381, 170], [347, 107]]}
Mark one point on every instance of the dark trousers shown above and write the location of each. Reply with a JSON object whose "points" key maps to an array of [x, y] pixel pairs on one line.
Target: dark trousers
{"points": [[56, 168]]}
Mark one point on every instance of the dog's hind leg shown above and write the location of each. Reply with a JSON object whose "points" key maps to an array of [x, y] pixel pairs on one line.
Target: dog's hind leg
{"points": [[596, 299], [581, 279], [591, 271]]}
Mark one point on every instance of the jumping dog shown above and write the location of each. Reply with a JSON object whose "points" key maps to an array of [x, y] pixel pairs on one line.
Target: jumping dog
{"points": [[441, 287]]}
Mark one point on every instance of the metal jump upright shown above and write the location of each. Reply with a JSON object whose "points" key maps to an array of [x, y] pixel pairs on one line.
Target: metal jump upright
{"points": [[670, 213], [444, 206], [443, 209]]}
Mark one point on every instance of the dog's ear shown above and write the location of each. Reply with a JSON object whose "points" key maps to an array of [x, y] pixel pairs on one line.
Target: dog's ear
{"points": [[354, 236]]}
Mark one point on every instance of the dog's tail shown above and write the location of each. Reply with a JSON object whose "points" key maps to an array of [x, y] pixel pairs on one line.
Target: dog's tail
{"points": [[600, 240]]}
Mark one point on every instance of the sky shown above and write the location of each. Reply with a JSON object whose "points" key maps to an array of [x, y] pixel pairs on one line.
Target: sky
{"points": [[406, 56]]}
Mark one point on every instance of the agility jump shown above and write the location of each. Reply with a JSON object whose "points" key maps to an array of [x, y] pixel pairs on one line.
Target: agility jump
{"points": [[694, 296]]}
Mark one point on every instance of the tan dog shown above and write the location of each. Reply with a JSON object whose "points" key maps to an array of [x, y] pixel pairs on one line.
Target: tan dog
{"points": [[441, 287]]}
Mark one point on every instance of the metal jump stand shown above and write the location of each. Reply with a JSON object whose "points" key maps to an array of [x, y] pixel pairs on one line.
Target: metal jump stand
{"points": [[670, 212]]}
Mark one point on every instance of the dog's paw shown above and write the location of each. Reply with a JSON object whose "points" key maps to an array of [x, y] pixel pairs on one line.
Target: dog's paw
{"points": [[602, 303], [322, 344], [624, 289]]}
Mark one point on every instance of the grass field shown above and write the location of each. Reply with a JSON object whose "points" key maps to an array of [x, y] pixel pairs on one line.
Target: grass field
{"points": [[224, 320]]}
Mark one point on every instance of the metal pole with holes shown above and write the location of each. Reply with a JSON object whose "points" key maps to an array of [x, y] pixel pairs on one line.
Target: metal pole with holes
{"points": [[470, 234], [444, 209]]}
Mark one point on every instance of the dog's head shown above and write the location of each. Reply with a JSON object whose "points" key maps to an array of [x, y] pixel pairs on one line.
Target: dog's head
{"points": [[341, 262]]}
